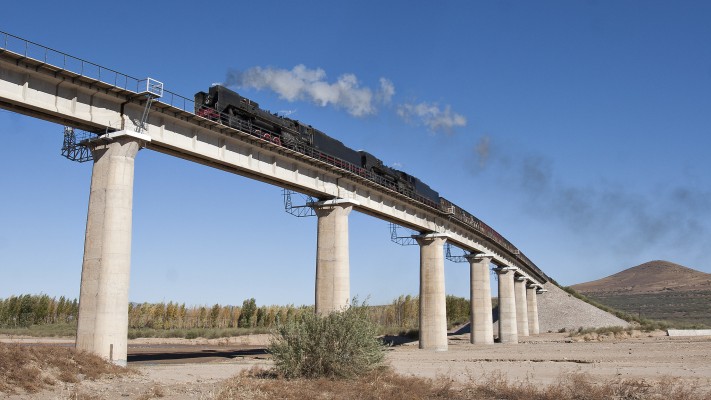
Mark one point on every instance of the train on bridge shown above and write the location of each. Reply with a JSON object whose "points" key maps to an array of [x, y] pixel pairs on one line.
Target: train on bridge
{"points": [[223, 105]]}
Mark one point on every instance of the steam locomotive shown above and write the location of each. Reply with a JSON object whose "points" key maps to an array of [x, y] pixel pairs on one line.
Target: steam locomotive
{"points": [[229, 108], [225, 105]]}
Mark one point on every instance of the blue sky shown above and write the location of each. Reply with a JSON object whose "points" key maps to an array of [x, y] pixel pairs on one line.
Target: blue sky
{"points": [[577, 129]]}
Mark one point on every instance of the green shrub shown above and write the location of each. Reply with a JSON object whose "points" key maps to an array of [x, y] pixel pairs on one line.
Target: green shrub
{"points": [[339, 345]]}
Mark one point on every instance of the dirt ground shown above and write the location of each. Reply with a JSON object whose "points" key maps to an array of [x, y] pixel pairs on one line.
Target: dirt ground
{"points": [[544, 358], [193, 369]]}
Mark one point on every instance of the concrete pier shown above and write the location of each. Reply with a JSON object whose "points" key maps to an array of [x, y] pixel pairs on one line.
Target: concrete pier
{"points": [[332, 258], [533, 327], [482, 331], [103, 302], [521, 306], [507, 306], [433, 308]]}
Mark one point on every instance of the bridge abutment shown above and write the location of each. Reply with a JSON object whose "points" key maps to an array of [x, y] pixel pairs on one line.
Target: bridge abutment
{"points": [[332, 257], [521, 306], [482, 331], [433, 308], [507, 306], [103, 301]]}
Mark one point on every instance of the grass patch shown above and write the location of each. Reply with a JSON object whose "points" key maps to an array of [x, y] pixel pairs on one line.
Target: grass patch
{"points": [[384, 384], [606, 330], [581, 386], [396, 331], [33, 368], [590, 334], [688, 310], [70, 330], [194, 333], [45, 330], [378, 384]]}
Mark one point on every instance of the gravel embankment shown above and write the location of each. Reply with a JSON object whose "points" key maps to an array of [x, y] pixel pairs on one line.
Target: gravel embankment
{"points": [[557, 309]]}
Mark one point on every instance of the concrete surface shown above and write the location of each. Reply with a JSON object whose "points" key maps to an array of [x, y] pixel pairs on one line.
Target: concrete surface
{"points": [[481, 328], [508, 329], [103, 300], [433, 308], [689, 332], [332, 257], [531, 297], [521, 306]]}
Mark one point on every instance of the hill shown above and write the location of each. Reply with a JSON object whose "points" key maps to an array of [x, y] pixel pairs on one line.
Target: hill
{"points": [[650, 277], [658, 290]]}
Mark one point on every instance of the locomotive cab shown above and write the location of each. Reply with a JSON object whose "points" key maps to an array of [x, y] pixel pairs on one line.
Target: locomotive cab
{"points": [[369, 161], [202, 99], [205, 106], [305, 133], [225, 99]]}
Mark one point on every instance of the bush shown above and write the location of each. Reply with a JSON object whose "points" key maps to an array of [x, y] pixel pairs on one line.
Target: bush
{"points": [[339, 345], [605, 330]]}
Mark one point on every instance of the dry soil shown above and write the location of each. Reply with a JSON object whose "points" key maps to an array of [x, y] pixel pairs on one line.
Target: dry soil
{"points": [[193, 369]]}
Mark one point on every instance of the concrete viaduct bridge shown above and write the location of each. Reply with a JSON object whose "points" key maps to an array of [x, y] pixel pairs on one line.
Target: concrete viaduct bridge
{"points": [[47, 84]]}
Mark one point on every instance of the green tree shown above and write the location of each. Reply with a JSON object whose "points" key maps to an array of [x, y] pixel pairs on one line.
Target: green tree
{"points": [[458, 310], [246, 317], [214, 315], [26, 311]]}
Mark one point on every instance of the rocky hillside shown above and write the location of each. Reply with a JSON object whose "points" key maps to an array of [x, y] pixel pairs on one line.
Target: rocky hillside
{"points": [[557, 310]]}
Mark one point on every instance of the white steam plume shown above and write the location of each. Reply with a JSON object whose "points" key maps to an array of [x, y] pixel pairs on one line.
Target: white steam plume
{"points": [[303, 83], [432, 116], [387, 90]]}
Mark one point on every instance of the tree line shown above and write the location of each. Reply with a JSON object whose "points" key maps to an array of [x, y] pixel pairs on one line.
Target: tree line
{"points": [[404, 311], [27, 310], [179, 316]]}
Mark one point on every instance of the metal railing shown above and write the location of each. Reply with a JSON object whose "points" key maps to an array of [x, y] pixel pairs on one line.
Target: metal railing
{"points": [[88, 69], [177, 101], [56, 58]]}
